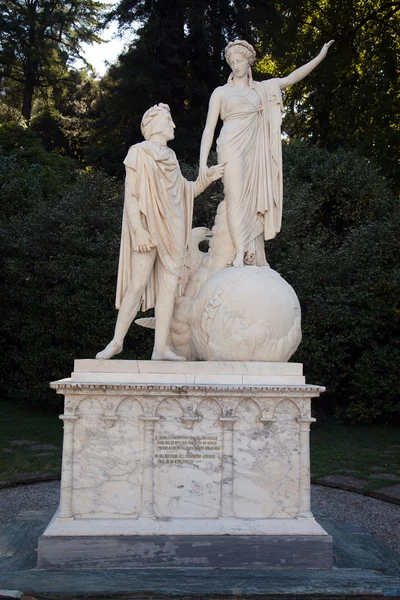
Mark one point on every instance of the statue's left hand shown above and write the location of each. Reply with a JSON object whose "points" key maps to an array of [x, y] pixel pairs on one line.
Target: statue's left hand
{"points": [[214, 173], [325, 48]]}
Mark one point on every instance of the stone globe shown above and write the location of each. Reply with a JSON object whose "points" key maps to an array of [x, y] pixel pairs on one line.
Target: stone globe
{"points": [[245, 314]]}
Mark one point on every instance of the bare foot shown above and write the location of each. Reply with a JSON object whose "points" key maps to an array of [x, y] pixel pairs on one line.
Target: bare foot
{"points": [[238, 260], [167, 354], [110, 350]]}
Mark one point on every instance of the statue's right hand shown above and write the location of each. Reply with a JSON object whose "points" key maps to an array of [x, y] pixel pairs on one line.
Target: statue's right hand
{"points": [[325, 48], [143, 241], [203, 170]]}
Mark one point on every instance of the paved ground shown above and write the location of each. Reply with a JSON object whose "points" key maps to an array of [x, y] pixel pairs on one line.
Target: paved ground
{"points": [[375, 516], [379, 518]]}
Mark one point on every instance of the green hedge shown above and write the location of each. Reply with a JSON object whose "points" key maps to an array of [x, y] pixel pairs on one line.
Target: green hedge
{"points": [[339, 249]]}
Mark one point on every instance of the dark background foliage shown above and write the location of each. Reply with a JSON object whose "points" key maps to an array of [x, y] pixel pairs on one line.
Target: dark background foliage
{"points": [[339, 248], [64, 134]]}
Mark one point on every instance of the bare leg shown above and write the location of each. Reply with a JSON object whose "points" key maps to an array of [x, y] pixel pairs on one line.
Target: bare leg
{"points": [[163, 311], [142, 265]]}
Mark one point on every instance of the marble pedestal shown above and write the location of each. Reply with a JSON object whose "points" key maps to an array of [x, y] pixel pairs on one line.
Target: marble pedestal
{"points": [[185, 464]]}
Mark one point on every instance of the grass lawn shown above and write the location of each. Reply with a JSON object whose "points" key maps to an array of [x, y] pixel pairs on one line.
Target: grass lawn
{"points": [[356, 451], [24, 423], [335, 449]]}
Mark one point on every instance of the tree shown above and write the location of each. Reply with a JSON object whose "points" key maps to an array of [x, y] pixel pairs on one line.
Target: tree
{"points": [[177, 58], [39, 38], [352, 99], [64, 120]]}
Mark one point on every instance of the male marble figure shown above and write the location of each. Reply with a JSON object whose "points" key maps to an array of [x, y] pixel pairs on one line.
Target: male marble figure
{"points": [[156, 231]]}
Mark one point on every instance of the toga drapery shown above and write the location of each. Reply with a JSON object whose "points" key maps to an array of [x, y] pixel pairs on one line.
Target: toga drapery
{"points": [[166, 205], [250, 143]]}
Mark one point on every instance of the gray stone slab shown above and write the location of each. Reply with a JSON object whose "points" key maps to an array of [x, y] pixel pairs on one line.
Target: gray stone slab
{"points": [[39, 454], [21, 442], [44, 447], [18, 543], [343, 482], [355, 548], [378, 469], [390, 494], [35, 516], [385, 476], [10, 594], [350, 578], [233, 551], [202, 584], [30, 477]]}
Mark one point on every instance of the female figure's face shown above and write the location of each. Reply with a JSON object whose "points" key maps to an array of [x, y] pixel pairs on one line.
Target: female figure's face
{"points": [[239, 64]]}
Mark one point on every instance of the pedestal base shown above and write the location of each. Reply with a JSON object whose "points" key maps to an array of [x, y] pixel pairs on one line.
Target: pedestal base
{"points": [[185, 464], [240, 551]]}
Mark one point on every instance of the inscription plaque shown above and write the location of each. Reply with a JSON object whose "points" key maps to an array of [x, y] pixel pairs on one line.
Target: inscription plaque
{"points": [[185, 449]]}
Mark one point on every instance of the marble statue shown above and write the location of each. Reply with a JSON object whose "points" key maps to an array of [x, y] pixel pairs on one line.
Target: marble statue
{"points": [[250, 144], [235, 307], [156, 232], [215, 454]]}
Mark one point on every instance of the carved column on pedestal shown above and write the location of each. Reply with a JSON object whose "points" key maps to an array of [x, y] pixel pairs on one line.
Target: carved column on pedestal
{"points": [[226, 507], [304, 467], [147, 510], [67, 466]]}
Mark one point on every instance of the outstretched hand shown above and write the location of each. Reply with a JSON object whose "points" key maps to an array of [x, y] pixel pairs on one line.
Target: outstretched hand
{"points": [[216, 172], [325, 48]]}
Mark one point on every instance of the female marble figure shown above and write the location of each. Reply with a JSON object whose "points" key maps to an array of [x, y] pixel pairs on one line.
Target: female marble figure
{"points": [[250, 145]]}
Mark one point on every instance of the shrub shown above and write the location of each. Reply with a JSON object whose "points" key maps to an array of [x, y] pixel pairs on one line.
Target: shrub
{"points": [[60, 244], [339, 249]]}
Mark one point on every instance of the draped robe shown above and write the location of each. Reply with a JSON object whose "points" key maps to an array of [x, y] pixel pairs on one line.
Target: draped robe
{"points": [[250, 143], [165, 201]]}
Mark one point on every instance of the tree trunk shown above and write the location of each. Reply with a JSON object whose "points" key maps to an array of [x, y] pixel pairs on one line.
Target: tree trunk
{"points": [[28, 98]]}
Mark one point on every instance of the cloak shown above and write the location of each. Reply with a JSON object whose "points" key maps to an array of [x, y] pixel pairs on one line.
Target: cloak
{"points": [[166, 207], [270, 203]]}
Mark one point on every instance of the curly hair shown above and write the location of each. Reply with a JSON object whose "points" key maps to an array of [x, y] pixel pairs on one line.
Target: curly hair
{"points": [[244, 48], [151, 118]]}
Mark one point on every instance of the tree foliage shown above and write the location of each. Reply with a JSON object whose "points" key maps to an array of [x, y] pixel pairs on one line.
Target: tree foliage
{"points": [[339, 249], [352, 99], [59, 237], [39, 38], [64, 121], [177, 58]]}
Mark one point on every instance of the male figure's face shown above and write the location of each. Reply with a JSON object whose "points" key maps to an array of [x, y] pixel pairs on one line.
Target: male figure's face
{"points": [[167, 127]]}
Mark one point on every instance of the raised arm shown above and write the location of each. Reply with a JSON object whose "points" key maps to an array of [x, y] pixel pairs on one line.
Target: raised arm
{"points": [[306, 69], [214, 109]]}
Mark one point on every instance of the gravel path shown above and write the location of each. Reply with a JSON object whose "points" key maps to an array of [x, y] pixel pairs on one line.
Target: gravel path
{"points": [[379, 518], [382, 519]]}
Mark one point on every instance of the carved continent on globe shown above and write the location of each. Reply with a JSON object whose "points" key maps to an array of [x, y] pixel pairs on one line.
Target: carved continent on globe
{"points": [[243, 314], [249, 313]]}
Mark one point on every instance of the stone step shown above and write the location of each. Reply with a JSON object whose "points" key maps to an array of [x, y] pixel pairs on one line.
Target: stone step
{"points": [[203, 584], [364, 568]]}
